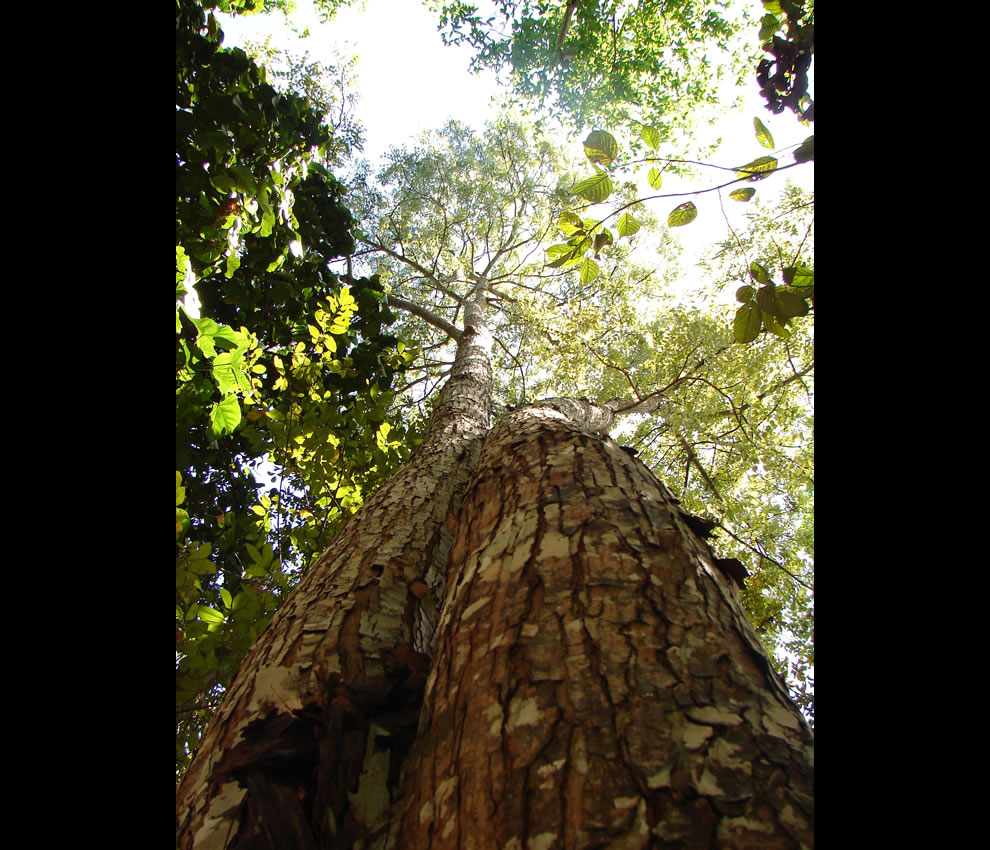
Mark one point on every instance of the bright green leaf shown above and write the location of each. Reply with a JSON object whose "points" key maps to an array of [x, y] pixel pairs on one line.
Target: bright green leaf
{"points": [[225, 597], [589, 270], [763, 134], [650, 135], [757, 169], [225, 416], [569, 223], [759, 273], [683, 214], [627, 225], [655, 178], [595, 189], [209, 615]]}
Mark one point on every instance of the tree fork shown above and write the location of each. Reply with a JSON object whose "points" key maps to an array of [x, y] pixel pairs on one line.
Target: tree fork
{"points": [[595, 680]]}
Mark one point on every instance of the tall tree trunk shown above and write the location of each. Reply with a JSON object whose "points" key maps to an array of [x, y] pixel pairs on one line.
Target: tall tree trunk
{"points": [[343, 662], [595, 681]]}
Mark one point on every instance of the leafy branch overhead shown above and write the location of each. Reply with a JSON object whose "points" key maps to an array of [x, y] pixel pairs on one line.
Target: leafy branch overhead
{"points": [[769, 309]]}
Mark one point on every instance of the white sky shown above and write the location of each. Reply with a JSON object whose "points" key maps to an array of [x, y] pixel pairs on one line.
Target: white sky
{"points": [[408, 82]]}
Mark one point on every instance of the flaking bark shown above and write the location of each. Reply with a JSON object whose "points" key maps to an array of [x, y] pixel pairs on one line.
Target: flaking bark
{"points": [[596, 683]]}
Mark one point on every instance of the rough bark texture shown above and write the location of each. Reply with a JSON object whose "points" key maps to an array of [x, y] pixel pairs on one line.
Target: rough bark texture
{"points": [[595, 681], [294, 757]]}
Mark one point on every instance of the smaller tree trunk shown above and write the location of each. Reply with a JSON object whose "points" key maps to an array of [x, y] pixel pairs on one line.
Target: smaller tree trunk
{"points": [[595, 683]]}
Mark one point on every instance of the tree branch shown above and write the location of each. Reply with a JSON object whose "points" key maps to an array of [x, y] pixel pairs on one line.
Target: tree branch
{"points": [[426, 315]]}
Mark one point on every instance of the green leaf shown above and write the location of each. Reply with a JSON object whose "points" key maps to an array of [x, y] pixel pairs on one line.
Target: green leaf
{"points": [[233, 264], [225, 416], [747, 323], [806, 151], [759, 273], [569, 223], [180, 491], [561, 255], [209, 615], [757, 169], [781, 304], [744, 294], [589, 270], [595, 189], [768, 26], [627, 225], [654, 178], [650, 135], [763, 134], [601, 148], [601, 240], [683, 214], [799, 276], [225, 597], [742, 194]]}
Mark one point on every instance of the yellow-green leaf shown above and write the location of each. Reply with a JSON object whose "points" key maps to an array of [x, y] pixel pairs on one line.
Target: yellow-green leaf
{"points": [[757, 169], [683, 214], [589, 270], [595, 189], [627, 225], [650, 135], [601, 148], [742, 195], [654, 178], [763, 134]]}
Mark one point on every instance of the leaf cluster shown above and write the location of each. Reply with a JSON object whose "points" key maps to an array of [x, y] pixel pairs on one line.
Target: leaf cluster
{"points": [[283, 374]]}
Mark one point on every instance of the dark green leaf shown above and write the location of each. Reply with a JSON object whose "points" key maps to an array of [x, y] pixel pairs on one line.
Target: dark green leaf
{"points": [[744, 294], [747, 323], [806, 151], [759, 273]]}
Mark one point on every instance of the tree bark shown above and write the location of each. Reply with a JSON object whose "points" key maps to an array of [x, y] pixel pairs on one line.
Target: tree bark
{"points": [[596, 683]]}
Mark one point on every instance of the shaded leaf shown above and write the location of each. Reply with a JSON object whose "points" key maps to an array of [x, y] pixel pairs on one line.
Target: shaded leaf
{"points": [[744, 294], [768, 26], [806, 151], [683, 214], [747, 323]]}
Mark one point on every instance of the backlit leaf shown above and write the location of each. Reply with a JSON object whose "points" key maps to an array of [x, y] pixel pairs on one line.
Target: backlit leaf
{"points": [[683, 214], [650, 135], [763, 134], [627, 225], [589, 270], [654, 178], [742, 194], [601, 148], [757, 169], [759, 273], [569, 223], [225, 416], [595, 189]]}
